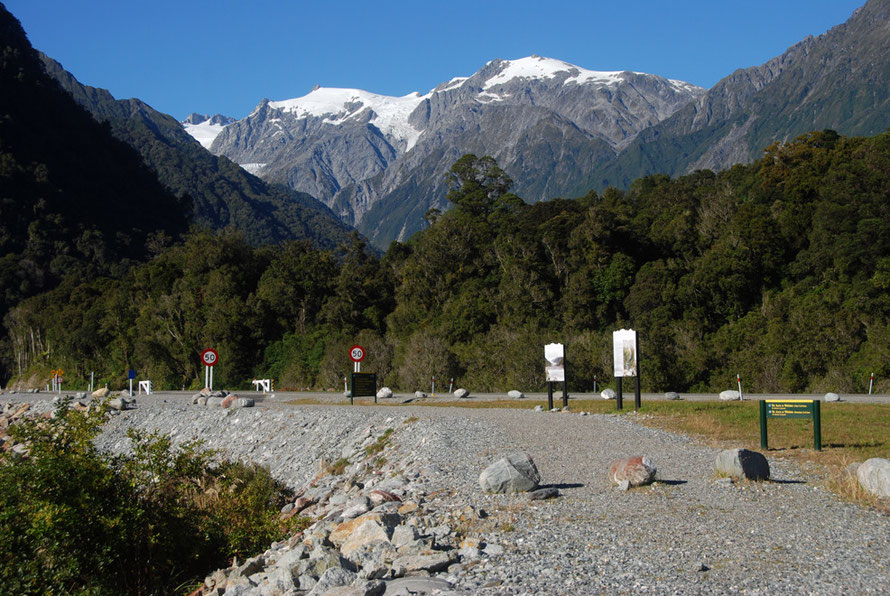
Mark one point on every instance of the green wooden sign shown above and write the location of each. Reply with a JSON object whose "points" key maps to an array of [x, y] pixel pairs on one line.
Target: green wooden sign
{"points": [[791, 408]]}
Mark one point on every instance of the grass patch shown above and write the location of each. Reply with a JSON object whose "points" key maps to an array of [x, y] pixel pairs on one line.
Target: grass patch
{"points": [[378, 445], [338, 467]]}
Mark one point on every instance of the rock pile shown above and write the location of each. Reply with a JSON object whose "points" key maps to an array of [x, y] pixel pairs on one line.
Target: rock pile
{"points": [[370, 529]]}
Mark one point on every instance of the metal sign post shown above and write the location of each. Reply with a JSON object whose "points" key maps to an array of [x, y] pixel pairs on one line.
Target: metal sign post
{"points": [[131, 374], [357, 354], [209, 357]]}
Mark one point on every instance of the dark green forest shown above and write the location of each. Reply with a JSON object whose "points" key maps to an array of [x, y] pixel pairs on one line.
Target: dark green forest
{"points": [[777, 271]]}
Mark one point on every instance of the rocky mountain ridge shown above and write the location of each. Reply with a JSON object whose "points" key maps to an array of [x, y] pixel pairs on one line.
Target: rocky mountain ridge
{"points": [[222, 194], [545, 120], [838, 80]]}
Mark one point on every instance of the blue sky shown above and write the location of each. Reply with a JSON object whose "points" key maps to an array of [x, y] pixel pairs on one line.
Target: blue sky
{"points": [[224, 56]]}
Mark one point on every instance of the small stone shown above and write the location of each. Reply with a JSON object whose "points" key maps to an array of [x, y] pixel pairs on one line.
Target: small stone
{"points": [[541, 494]]}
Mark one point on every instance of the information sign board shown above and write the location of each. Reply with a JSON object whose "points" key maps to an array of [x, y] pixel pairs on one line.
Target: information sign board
{"points": [[791, 408], [364, 384], [624, 352]]}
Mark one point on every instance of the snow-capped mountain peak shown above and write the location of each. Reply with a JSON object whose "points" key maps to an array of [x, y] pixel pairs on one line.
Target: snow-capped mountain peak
{"points": [[539, 67], [336, 106]]}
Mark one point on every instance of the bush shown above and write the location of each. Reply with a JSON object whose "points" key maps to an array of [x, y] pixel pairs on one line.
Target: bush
{"points": [[73, 519]]}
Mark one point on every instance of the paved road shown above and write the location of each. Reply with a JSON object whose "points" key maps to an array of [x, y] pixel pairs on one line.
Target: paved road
{"points": [[334, 397]]}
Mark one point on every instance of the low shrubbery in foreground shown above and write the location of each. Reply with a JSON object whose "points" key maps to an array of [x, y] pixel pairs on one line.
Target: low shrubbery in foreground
{"points": [[76, 520]]}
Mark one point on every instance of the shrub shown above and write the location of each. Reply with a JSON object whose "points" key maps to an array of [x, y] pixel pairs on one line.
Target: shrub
{"points": [[74, 519]]}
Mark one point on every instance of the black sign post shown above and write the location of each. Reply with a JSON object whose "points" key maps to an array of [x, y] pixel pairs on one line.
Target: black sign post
{"points": [[364, 384]]}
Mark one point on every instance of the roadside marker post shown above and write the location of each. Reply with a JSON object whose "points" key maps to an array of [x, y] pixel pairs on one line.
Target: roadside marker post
{"points": [[791, 408], [739, 379], [871, 383]]}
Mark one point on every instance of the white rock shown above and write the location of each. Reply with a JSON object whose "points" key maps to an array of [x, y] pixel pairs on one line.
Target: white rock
{"points": [[608, 394], [729, 395], [461, 393], [514, 394], [384, 393], [832, 397], [874, 476]]}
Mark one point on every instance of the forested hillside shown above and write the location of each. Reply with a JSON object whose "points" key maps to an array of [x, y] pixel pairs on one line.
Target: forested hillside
{"points": [[777, 271], [74, 202]]}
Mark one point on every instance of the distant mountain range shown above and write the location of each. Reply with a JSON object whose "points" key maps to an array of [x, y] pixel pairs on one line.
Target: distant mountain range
{"points": [[557, 129], [380, 162]]}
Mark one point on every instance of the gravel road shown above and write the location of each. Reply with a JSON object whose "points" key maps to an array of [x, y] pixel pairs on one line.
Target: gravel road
{"points": [[688, 533]]}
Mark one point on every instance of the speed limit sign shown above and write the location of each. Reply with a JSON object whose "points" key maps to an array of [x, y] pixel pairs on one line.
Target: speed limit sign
{"points": [[357, 353], [209, 357]]}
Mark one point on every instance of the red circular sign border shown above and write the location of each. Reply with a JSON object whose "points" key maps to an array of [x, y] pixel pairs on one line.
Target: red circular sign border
{"points": [[360, 348], [212, 351]]}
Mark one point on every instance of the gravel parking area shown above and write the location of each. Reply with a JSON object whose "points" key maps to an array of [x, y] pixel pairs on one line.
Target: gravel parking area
{"points": [[687, 533]]}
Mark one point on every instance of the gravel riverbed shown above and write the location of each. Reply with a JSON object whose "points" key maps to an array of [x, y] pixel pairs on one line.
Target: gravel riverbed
{"points": [[687, 533]]}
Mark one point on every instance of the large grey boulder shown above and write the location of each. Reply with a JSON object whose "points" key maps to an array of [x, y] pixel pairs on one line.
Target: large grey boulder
{"points": [[671, 395], [830, 396], [514, 394], [742, 463], [384, 393], [461, 393], [874, 476], [730, 395], [515, 472], [608, 394]]}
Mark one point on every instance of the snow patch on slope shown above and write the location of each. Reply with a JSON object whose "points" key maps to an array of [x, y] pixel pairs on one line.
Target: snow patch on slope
{"points": [[204, 132]]}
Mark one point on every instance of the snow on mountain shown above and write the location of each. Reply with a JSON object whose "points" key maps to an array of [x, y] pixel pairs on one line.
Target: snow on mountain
{"points": [[538, 67], [205, 128], [547, 121], [389, 114]]}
